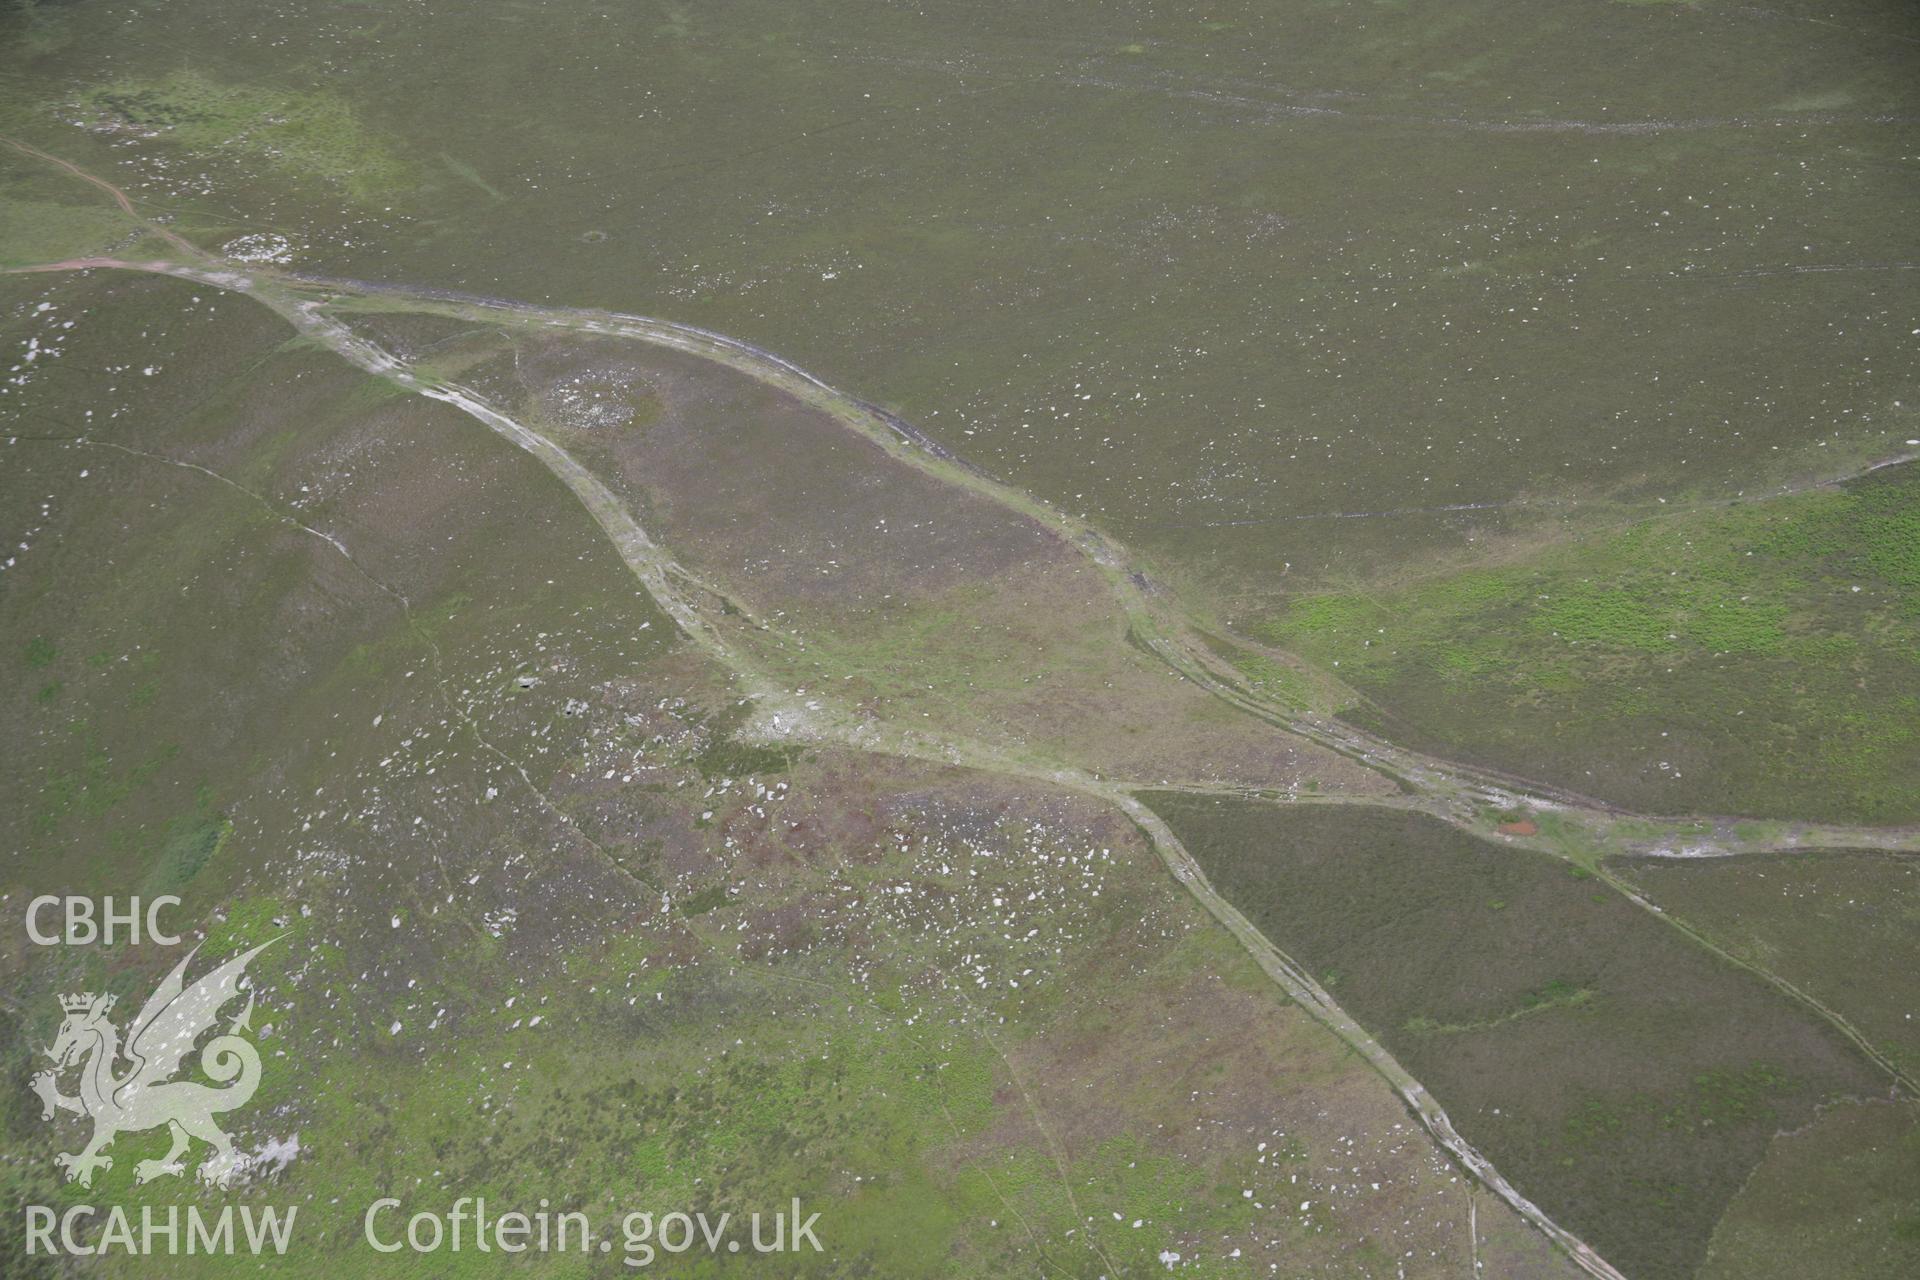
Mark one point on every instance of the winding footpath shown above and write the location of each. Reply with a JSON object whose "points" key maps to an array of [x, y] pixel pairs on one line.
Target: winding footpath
{"points": [[1452, 792]]}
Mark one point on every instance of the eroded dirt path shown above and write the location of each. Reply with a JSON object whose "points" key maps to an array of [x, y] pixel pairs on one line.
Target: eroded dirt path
{"points": [[1450, 790], [785, 717], [1582, 828]]}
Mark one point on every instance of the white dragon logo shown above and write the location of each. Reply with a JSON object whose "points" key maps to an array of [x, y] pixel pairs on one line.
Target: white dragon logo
{"points": [[144, 1097]]}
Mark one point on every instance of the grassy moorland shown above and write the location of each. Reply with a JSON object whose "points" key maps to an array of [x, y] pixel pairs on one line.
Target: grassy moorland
{"points": [[1631, 1082], [1276, 292], [1509, 387], [333, 666]]}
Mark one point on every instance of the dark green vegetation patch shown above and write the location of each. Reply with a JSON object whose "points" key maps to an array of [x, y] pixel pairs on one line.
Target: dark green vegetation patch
{"points": [[1629, 1081]]}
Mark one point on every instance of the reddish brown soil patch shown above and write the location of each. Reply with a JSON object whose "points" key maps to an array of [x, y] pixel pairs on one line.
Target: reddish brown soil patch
{"points": [[1524, 827]]}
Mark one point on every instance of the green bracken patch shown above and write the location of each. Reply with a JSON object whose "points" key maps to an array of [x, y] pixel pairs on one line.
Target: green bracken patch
{"points": [[300, 133], [732, 758], [191, 843], [250, 922], [1754, 658], [1272, 678], [1557, 994]]}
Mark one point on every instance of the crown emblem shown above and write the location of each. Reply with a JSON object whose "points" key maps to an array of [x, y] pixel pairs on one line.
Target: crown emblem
{"points": [[84, 1001]]}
